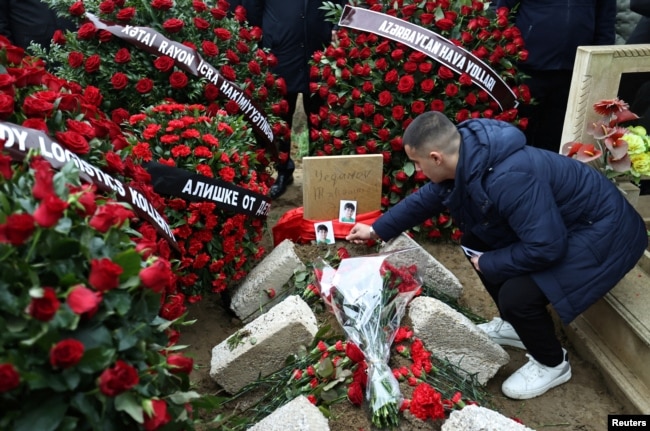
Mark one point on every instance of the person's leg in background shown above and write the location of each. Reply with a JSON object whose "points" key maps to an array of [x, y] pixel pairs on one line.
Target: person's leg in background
{"points": [[285, 165], [311, 104], [550, 91]]}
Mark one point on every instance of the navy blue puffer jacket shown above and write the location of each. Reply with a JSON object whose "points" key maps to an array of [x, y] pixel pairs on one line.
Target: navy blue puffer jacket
{"points": [[543, 214]]}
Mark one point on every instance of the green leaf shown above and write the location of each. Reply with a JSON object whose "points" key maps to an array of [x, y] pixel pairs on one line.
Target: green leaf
{"points": [[95, 360], [181, 398], [127, 338], [64, 248], [71, 377], [86, 405], [131, 263], [409, 168], [126, 402], [119, 301], [42, 414], [325, 367], [329, 396]]}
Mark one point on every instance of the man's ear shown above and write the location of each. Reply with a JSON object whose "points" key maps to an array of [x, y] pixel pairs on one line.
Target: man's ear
{"points": [[436, 157]]}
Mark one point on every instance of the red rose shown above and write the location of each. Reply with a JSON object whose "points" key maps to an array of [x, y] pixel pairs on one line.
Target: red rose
{"points": [[353, 352], [73, 141], [119, 81], [179, 363], [122, 56], [5, 166], [43, 178], [81, 127], [92, 63], [157, 417], [445, 73], [218, 14], [77, 9], [162, 4], [119, 115], [6, 105], [405, 84], [158, 276], [104, 274], [164, 63], [86, 31], [45, 307], [222, 34], [355, 393], [418, 107], [58, 38], [17, 229], [173, 25], [126, 14], [9, 378], [201, 24], [210, 49], [451, 90], [107, 7], [50, 211], [92, 95], [144, 86], [66, 353], [465, 79], [36, 123], [385, 98], [83, 300], [173, 308], [35, 107], [427, 85], [178, 80], [120, 378], [398, 112]]}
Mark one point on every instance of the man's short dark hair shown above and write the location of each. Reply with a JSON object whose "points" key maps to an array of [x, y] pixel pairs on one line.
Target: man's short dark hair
{"points": [[432, 130], [321, 227], [348, 205]]}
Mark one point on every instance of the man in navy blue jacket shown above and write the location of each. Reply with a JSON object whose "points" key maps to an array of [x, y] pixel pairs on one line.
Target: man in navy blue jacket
{"points": [[293, 30], [552, 31], [546, 229]]}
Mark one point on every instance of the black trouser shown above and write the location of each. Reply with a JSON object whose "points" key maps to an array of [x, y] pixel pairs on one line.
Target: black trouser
{"points": [[550, 89], [523, 304]]}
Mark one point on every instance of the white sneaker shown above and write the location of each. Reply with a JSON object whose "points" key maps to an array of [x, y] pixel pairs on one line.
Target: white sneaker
{"points": [[502, 333], [534, 379]]}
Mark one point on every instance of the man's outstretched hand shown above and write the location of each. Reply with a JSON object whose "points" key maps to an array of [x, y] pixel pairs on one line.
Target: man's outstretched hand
{"points": [[360, 233]]}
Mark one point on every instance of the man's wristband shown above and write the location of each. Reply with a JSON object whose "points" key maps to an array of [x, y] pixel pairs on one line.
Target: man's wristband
{"points": [[373, 234]]}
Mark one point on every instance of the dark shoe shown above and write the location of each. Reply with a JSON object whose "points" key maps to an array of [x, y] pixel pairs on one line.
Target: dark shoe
{"points": [[280, 186]]}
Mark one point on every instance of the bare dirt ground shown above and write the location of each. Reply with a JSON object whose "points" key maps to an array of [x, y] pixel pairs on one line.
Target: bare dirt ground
{"points": [[582, 404]]}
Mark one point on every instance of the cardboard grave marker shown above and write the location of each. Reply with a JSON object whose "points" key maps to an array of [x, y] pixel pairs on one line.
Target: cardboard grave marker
{"points": [[328, 180]]}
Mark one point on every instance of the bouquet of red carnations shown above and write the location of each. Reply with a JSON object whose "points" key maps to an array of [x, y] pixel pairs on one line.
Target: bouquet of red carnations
{"points": [[368, 295]]}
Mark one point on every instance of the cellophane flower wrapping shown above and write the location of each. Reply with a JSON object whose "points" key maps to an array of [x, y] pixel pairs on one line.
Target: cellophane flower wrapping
{"points": [[368, 295]]}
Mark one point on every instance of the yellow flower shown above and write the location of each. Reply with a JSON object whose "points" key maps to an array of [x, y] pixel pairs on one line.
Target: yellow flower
{"points": [[636, 144], [641, 163]]}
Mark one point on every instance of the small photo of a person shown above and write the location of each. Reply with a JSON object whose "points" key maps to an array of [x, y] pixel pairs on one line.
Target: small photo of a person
{"points": [[324, 233], [347, 213]]}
